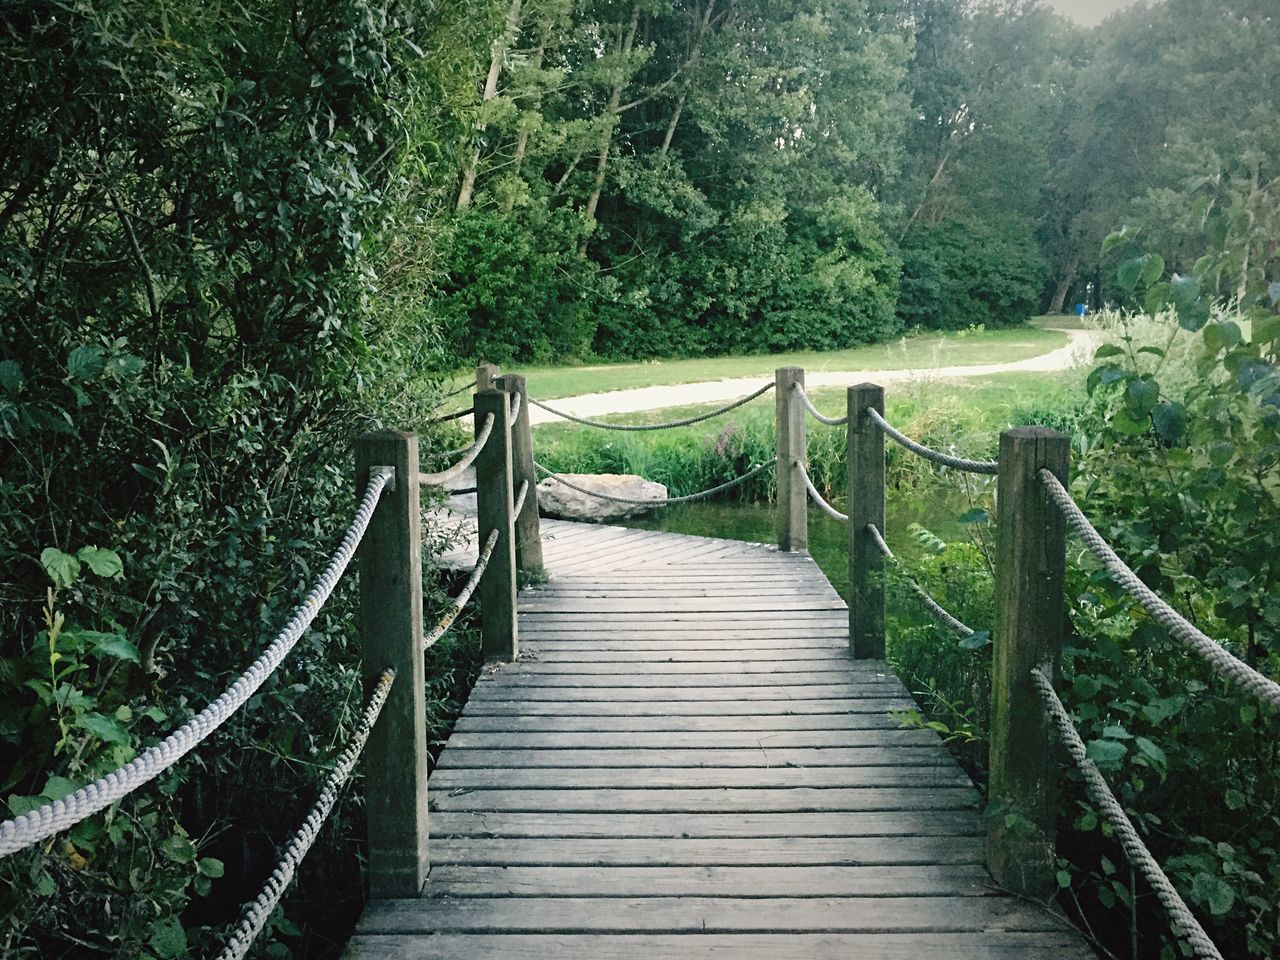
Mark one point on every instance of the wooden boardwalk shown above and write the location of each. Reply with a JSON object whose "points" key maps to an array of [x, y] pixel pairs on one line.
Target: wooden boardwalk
{"points": [[685, 763]]}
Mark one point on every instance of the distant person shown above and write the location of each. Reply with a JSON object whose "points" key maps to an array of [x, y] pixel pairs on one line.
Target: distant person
{"points": [[1081, 310]]}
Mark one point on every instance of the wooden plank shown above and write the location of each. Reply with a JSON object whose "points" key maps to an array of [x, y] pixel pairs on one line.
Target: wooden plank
{"points": [[693, 739], [844, 881], [815, 691], [547, 657], [782, 682], [784, 846], [989, 945], [687, 708], [863, 824], [755, 757], [576, 778], [706, 915], [612, 802], [473, 723]]}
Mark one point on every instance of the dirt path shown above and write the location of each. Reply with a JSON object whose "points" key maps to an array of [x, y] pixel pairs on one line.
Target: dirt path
{"points": [[1079, 343]]}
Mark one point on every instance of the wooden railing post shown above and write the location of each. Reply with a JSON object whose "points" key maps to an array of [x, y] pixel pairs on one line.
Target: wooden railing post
{"points": [[1030, 562], [486, 373], [497, 591], [528, 535], [395, 759], [865, 457], [793, 501]]}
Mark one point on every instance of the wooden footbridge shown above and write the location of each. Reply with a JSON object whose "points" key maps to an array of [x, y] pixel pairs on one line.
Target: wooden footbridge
{"points": [[685, 747], [685, 762], [676, 754]]}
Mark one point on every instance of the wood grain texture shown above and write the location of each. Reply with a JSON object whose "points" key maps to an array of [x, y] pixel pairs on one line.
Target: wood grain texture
{"points": [[685, 762]]}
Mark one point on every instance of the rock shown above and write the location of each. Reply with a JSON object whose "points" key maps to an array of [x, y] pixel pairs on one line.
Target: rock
{"points": [[564, 503]]}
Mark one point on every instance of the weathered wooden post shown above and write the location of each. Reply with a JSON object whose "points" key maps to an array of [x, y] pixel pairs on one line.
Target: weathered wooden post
{"points": [[865, 457], [528, 535], [390, 564], [486, 373], [793, 500], [1030, 561], [497, 589]]}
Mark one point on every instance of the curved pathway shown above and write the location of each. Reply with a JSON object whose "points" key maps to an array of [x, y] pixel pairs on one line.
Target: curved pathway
{"points": [[1079, 343]]}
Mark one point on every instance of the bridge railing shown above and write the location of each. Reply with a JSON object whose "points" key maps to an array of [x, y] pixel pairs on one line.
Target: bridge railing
{"points": [[1036, 511]]}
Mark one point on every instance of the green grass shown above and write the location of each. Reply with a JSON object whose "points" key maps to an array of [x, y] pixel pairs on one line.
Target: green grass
{"points": [[923, 350]]}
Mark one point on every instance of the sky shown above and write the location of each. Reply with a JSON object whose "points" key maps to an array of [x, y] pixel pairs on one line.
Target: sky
{"points": [[1088, 12]]}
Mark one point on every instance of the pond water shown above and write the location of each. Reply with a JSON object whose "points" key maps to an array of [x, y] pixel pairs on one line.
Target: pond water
{"points": [[828, 540]]}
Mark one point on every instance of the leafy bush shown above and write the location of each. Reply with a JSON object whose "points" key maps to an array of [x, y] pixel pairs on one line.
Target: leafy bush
{"points": [[962, 273]]}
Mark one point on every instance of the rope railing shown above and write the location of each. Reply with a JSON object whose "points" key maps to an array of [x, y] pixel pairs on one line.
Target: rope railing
{"points": [[470, 384], [685, 422], [1184, 921], [257, 911], [460, 601], [934, 607], [63, 813], [666, 501], [518, 506], [516, 399], [469, 457], [1223, 662], [456, 415], [818, 498], [989, 467], [815, 412]]}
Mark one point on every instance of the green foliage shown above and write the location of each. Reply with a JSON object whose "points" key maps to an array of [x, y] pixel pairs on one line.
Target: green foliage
{"points": [[196, 197], [963, 273]]}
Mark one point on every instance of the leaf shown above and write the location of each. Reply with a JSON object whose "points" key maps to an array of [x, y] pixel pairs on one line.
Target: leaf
{"points": [[1129, 273], [976, 640], [1122, 422], [1234, 799], [178, 848], [168, 939], [210, 867], [85, 363], [1214, 892], [56, 788], [1117, 237], [1064, 879], [1273, 291], [1266, 327], [109, 645], [1086, 687], [1103, 376], [976, 515], [1171, 421], [1108, 350], [105, 563], [1141, 397], [11, 379], [107, 729], [1151, 751], [1107, 754], [1155, 351], [62, 568]]}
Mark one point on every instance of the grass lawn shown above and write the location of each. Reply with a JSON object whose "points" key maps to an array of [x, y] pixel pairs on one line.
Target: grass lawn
{"points": [[924, 350], [972, 406]]}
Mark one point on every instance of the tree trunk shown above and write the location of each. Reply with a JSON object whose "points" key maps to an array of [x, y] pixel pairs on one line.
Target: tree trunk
{"points": [[522, 136], [671, 125], [498, 52], [1064, 284], [611, 112]]}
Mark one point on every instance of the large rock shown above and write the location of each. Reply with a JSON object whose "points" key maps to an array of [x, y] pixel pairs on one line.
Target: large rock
{"points": [[564, 503]]}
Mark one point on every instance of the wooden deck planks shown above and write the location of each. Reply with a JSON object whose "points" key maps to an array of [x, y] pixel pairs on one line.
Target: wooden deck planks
{"points": [[686, 764]]}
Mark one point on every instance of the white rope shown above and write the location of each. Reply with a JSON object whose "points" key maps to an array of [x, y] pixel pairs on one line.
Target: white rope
{"points": [[1184, 921], [1219, 657], [817, 498], [259, 909], [937, 609], [460, 601], [470, 454], [653, 426], [520, 498], [817, 414], [656, 503], [60, 814], [933, 456], [515, 409]]}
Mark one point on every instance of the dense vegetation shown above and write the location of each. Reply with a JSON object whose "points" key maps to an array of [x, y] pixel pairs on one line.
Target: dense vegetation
{"points": [[234, 235]]}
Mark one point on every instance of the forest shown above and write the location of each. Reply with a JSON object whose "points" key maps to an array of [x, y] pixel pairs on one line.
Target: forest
{"points": [[235, 235]]}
